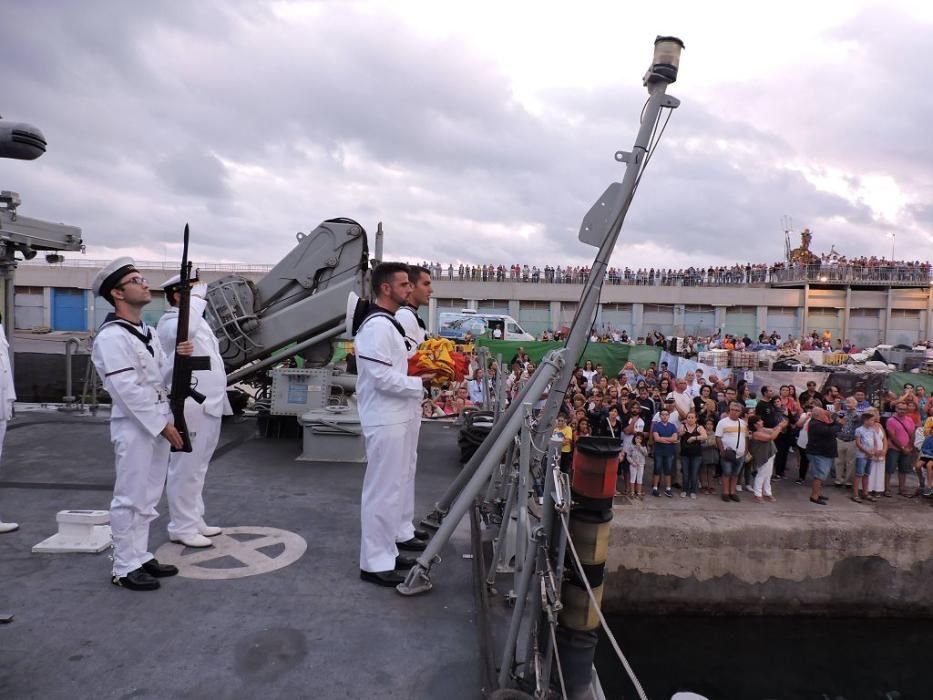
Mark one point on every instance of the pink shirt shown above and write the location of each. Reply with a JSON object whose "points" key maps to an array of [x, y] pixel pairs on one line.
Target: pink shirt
{"points": [[900, 430]]}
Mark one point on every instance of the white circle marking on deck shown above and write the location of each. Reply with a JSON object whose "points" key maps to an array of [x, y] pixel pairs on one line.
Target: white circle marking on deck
{"points": [[249, 560]]}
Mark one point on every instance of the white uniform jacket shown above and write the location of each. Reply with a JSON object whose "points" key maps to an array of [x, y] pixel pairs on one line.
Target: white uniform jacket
{"points": [[7, 390], [134, 377], [213, 382], [408, 317], [384, 389]]}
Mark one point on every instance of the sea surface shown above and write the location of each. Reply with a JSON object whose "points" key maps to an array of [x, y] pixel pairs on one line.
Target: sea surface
{"points": [[775, 658]]}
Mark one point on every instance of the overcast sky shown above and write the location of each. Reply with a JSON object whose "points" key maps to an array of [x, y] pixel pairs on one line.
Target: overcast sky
{"points": [[477, 132]]}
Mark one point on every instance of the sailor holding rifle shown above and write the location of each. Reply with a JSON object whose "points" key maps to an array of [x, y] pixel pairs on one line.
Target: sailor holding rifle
{"points": [[134, 370], [186, 470], [408, 537], [386, 395]]}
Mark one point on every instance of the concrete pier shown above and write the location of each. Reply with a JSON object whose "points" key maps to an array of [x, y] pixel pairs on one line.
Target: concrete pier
{"points": [[791, 557]]}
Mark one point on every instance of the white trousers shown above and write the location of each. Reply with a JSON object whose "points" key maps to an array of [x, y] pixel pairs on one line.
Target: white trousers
{"points": [[387, 452], [186, 472], [636, 474], [2, 436], [406, 529], [141, 465], [762, 485]]}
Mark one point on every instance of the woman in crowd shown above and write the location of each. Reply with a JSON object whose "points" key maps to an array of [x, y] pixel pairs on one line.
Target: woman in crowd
{"points": [[429, 409], [664, 387], [692, 437], [704, 405], [588, 371], [803, 438], [611, 425], [761, 446], [872, 445], [710, 455]]}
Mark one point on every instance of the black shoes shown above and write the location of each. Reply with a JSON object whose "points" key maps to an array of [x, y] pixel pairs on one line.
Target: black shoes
{"points": [[389, 579], [403, 563], [423, 535], [157, 570], [412, 545], [821, 501], [734, 497], [136, 580]]}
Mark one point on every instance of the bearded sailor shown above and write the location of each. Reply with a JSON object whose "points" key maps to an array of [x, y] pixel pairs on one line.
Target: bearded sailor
{"points": [[408, 537], [187, 470], [134, 371], [385, 396]]}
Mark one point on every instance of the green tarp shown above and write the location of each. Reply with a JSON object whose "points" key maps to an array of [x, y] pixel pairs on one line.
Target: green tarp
{"points": [[612, 356], [896, 381]]}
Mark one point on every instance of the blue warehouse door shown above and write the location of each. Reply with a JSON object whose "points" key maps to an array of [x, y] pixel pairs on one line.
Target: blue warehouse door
{"points": [[69, 309]]}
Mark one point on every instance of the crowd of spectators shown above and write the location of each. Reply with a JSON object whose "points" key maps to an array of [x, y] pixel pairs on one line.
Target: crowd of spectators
{"points": [[834, 268], [706, 435]]}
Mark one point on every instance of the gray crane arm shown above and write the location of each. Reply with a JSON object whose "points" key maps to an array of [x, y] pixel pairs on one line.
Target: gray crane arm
{"points": [[303, 301]]}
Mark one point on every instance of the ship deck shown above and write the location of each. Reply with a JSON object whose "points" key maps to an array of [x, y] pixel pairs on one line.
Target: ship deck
{"points": [[309, 629]]}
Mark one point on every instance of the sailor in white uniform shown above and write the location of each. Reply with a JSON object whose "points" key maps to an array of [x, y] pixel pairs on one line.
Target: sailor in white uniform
{"points": [[134, 370], [385, 395], [408, 537], [187, 470], [7, 397]]}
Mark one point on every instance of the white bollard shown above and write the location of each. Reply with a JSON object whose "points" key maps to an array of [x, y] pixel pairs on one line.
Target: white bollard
{"points": [[78, 531]]}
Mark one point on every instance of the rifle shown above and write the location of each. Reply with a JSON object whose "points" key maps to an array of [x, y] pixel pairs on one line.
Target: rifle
{"points": [[184, 366]]}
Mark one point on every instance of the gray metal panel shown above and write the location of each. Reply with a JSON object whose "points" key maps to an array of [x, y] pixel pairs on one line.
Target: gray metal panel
{"points": [[297, 391]]}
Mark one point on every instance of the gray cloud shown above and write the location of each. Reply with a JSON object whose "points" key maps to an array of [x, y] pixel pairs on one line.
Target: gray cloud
{"points": [[253, 128]]}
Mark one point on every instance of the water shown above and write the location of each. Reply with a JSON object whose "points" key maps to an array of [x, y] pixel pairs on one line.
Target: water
{"points": [[775, 658]]}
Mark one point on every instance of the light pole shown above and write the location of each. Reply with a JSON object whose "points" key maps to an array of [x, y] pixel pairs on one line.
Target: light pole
{"points": [[893, 237]]}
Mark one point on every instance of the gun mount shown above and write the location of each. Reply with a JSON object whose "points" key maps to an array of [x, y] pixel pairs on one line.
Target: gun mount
{"points": [[299, 307]]}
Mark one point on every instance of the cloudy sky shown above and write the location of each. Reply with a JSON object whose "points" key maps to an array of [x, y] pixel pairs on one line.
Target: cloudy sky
{"points": [[477, 132]]}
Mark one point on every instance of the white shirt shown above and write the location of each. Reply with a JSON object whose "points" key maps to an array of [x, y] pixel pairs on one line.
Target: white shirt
{"points": [[135, 379], [384, 390], [213, 382], [413, 330], [7, 389], [732, 434], [497, 333]]}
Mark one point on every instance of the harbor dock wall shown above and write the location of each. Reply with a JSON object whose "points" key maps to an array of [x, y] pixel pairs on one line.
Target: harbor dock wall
{"points": [[859, 560]]}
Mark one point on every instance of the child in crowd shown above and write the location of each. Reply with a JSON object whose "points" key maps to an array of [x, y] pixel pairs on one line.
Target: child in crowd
{"points": [[566, 450], [635, 453]]}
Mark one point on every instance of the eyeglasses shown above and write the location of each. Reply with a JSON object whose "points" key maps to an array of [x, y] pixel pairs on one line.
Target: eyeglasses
{"points": [[134, 280]]}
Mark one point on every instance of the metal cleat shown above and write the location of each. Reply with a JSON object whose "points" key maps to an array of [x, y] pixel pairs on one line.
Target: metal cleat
{"points": [[417, 582]]}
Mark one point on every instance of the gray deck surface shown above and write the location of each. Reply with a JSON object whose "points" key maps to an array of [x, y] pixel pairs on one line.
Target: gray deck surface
{"points": [[309, 630]]}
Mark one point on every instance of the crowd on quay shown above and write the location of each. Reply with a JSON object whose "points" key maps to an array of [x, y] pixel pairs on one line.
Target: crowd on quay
{"points": [[833, 267], [690, 433], [689, 346]]}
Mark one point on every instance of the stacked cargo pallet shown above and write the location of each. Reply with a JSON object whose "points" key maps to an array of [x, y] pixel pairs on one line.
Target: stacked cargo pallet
{"points": [[744, 360], [715, 358]]}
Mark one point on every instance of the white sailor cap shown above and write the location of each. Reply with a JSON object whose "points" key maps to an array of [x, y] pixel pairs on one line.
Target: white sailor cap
{"points": [[110, 275], [172, 281]]}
